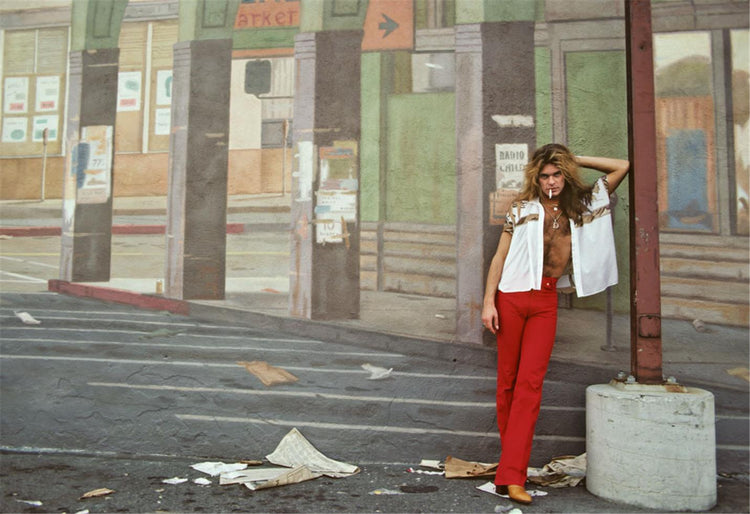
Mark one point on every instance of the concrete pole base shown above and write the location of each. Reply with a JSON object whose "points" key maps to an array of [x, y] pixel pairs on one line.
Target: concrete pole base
{"points": [[650, 447]]}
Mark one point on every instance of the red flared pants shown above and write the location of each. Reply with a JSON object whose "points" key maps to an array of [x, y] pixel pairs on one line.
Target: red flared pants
{"points": [[524, 344]]}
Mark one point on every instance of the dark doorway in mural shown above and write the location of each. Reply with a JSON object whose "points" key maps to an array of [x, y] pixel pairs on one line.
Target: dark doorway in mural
{"points": [[687, 182]]}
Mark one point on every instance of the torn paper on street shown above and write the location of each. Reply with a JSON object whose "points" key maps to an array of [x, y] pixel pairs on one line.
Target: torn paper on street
{"points": [[489, 487], [27, 318], [432, 464], [267, 374], [217, 468], [565, 471], [289, 476], [457, 468], [102, 491], [376, 372], [250, 475], [174, 480], [294, 451]]}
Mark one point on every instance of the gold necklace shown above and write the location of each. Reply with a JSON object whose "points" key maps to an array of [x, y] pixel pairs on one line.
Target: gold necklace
{"points": [[555, 224]]}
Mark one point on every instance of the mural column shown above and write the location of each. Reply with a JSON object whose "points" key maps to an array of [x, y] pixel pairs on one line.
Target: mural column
{"points": [[495, 132], [324, 274], [198, 152], [92, 104]]}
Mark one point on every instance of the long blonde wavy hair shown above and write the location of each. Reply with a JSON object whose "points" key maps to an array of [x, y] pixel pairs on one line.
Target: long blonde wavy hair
{"points": [[574, 196]]}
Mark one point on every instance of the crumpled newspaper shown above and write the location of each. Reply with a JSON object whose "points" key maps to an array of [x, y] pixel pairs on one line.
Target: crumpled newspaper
{"points": [[564, 471]]}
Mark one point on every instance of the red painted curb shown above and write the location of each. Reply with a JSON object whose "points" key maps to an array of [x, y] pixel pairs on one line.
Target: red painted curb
{"points": [[109, 294], [232, 228]]}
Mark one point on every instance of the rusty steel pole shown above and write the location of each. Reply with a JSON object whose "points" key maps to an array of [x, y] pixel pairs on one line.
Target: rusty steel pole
{"points": [[645, 293]]}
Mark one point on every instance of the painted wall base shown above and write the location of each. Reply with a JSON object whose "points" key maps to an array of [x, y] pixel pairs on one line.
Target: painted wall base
{"points": [[650, 447]]}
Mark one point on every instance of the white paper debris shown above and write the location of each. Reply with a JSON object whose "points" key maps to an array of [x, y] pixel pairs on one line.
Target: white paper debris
{"points": [[294, 451], [565, 471], [432, 464], [175, 480], [27, 318], [376, 373], [424, 472], [250, 475], [384, 492], [202, 481], [289, 476], [489, 487], [33, 503], [217, 468]]}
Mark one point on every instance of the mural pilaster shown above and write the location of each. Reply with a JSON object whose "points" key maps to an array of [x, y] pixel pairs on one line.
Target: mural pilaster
{"points": [[495, 132], [324, 274]]}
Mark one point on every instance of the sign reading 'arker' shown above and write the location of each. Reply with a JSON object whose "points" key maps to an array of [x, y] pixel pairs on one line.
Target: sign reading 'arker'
{"points": [[260, 14]]}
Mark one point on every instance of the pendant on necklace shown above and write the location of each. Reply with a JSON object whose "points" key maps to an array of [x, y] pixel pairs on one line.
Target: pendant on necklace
{"points": [[555, 224]]}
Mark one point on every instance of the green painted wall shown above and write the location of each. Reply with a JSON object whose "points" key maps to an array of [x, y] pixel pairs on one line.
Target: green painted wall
{"points": [[369, 157], [598, 125], [421, 167], [543, 96]]}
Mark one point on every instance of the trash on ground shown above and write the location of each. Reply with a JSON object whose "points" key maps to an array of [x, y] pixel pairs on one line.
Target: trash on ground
{"points": [[287, 477], [27, 318], [294, 450], [102, 491], [202, 481], [440, 316], [84, 511], [489, 487], [33, 503], [509, 508], [564, 471], [432, 464], [425, 472], [457, 468], [376, 373], [252, 462], [699, 325], [385, 492], [174, 481], [269, 375], [743, 373], [217, 468], [250, 475]]}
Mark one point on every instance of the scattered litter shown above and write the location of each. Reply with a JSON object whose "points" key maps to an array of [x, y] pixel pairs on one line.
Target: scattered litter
{"points": [[489, 487], [743, 373], [202, 481], [102, 491], [5, 236], [439, 316], [457, 468], [267, 374], [432, 464], [217, 468], [162, 332], [252, 462], [27, 318], [376, 373], [699, 325], [565, 471], [33, 503], [385, 492], [84, 511], [507, 508], [175, 480], [294, 450], [425, 472], [250, 475], [287, 477]]}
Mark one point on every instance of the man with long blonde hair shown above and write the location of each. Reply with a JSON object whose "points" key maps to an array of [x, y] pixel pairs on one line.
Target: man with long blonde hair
{"points": [[556, 225]]}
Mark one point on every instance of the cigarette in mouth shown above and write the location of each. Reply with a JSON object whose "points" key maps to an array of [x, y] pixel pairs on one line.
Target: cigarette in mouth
{"points": [[550, 194]]}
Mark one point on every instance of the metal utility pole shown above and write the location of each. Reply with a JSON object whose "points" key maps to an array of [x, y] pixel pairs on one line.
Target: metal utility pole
{"points": [[645, 288]]}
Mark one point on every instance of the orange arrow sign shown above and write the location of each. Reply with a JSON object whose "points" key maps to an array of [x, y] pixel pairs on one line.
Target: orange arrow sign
{"points": [[389, 25]]}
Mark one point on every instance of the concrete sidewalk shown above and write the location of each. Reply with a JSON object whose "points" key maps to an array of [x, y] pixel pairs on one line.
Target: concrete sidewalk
{"points": [[714, 356]]}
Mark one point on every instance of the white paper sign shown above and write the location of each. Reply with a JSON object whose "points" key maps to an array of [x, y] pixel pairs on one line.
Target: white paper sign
{"points": [[45, 122], [15, 130], [510, 162], [164, 87], [47, 93], [16, 95], [162, 121], [129, 91]]}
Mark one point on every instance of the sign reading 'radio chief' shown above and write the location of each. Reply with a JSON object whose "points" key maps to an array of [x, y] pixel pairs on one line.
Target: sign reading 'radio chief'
{"points": [[264, 14], [389, 25]]}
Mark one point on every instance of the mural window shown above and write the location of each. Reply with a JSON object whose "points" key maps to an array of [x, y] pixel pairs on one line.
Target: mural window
{"points": [[433, 72], [685, 131], [260, 120], [434, 14], [740, 115], [33, 91], [144, 86]]}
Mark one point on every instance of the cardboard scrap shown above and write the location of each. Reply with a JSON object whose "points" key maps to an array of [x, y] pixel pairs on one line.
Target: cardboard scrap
{"points": [[294, 451], [457, 468], [27, 318], [743, 373], [102, 491], [267, 374], [564, 471]]}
